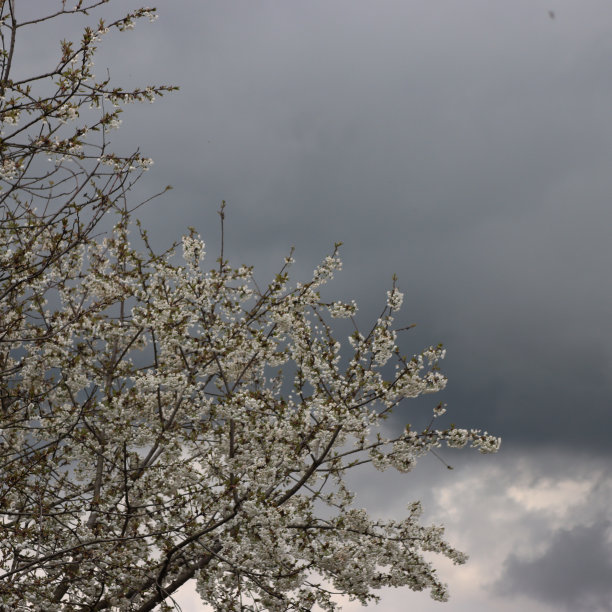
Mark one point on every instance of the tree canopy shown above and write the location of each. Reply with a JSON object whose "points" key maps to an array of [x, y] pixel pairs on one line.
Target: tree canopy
{"points": [[162, 420]]}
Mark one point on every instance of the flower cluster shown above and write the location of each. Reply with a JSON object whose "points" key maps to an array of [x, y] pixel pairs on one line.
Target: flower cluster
{"points": [[341, 310], [9, 169], [395, 299], [67, 112]]}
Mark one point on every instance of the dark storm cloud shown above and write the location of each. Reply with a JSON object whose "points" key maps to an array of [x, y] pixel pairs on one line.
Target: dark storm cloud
{"points": [[573, 573], [464, 147]]}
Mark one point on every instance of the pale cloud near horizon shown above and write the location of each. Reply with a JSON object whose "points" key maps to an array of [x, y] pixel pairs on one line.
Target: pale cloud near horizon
{"points": [[507, 517]]}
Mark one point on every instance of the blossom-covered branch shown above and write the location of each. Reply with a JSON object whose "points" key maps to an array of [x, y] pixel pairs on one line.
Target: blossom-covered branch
{"points": [[181, 423]]}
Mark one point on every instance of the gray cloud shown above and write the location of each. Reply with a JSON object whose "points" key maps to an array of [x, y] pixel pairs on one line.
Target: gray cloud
{"points": [[573, 573]]}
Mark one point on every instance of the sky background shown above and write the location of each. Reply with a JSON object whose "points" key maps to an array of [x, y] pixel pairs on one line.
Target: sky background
{"points": [[466, 147]]}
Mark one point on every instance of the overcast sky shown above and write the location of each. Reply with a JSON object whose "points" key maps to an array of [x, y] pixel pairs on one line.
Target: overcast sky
{"points": [[466, 147]]}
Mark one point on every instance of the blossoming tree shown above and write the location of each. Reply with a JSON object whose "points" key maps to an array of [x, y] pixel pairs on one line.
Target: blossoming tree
{"points": [[162, 421]]}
